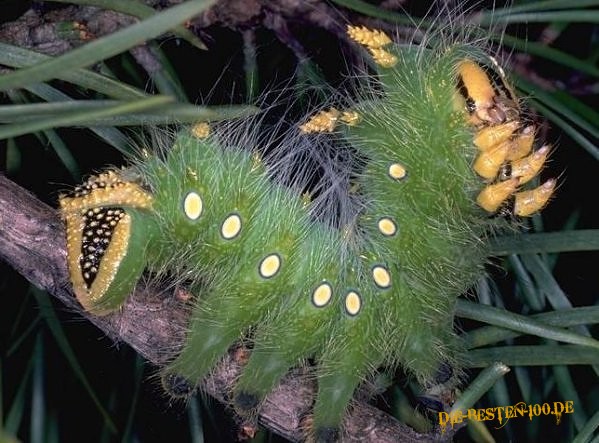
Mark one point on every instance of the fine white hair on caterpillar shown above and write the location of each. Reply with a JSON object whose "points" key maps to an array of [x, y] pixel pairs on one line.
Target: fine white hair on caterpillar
{"points": [[348, 244]]}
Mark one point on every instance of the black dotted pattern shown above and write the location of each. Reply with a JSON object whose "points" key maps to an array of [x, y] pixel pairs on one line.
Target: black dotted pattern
{"points": [[99, 225]]}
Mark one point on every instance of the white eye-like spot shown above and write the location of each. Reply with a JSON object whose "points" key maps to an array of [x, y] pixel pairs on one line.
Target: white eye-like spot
{"points": [[387, 226], [322, 295], [231, 227], [270, 265], [193, 205], [397, 171], [353, 303], [381, 276]]}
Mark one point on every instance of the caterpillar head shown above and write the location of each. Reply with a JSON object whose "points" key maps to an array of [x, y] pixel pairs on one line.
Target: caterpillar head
{"points": [[506, 159]]}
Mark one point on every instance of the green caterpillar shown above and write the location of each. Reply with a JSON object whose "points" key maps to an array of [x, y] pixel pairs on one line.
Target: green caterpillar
{"points": [[445, 146]]}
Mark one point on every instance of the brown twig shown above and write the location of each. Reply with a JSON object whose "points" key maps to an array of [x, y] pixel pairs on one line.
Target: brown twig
{"points": [[32, 242]]}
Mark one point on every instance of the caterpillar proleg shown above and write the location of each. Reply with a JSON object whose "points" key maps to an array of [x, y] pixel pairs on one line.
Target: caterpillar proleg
{"points": [[446, 151]]}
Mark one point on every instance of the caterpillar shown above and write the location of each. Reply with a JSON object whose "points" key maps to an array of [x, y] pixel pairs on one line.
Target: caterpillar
{"points": [[446, 153]]}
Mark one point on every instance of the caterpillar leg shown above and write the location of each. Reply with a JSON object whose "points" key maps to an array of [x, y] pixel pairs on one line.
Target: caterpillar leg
{"points": [[299, 330], [522, 144], [491, 136], [488, 163], [493, 196], [529, 167], [335, 392], [355, 349], [529, 202]]}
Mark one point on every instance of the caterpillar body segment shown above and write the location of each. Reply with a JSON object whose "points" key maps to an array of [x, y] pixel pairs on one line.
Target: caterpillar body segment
{"points": [[252, 270], [306, 321], [418, 208]]}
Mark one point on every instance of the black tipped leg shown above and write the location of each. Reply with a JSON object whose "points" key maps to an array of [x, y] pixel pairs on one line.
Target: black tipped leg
{"points": [[327, 435], [431, 403], [444, 373], [245, 402], [177, 386]]}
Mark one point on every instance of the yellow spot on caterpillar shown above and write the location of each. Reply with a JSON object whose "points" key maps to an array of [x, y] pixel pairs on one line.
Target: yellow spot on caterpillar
{"points": [[353, 303], [383, 58], [322, 295], [326, 121], [350, 118], [270, 265], [397, 171], [387, 226], [306, 199], [323, 121], [371, 38], [231, 227], [529, 202], [256, 161], [492, 196], [528, 167], [200, 130], [193, 205], [381, 277], [192, 174], [491, 136], [488, 163]]}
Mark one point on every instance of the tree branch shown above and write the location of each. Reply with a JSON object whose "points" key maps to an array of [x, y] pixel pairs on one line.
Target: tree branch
{"points": [[32, 242]]}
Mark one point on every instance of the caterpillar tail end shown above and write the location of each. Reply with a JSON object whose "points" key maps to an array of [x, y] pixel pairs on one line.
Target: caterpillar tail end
{"points": [[107, 234]]}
